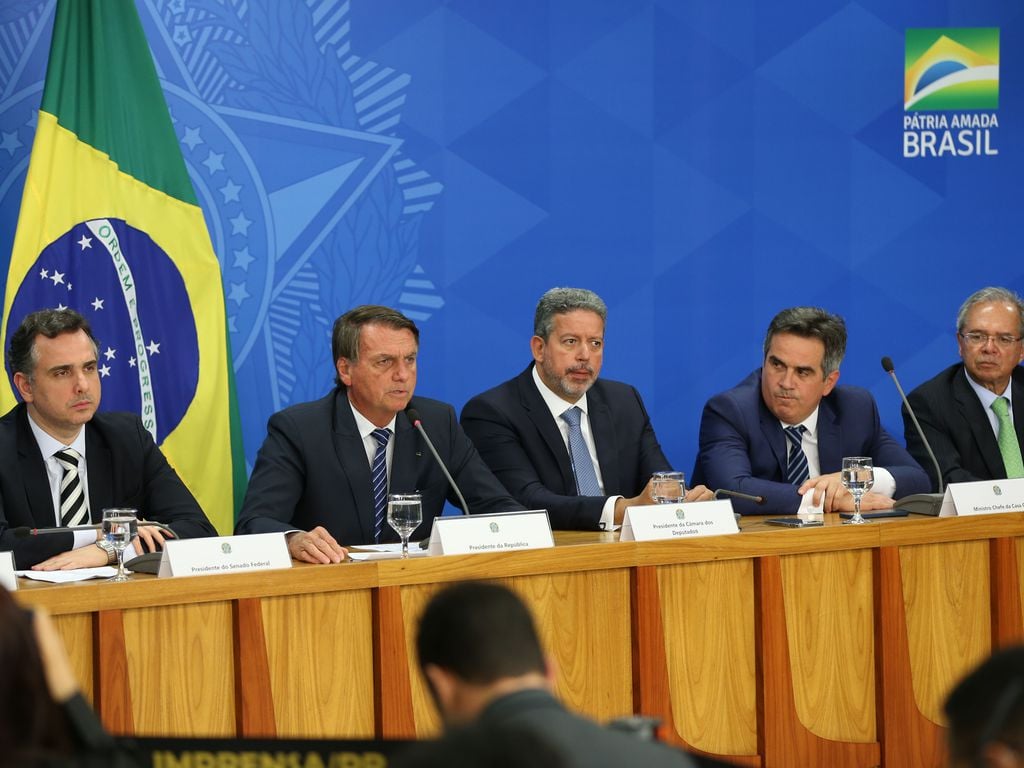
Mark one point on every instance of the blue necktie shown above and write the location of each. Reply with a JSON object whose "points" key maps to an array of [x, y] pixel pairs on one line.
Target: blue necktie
{"points": [[796, 469], [582, 464], [379, 480]]}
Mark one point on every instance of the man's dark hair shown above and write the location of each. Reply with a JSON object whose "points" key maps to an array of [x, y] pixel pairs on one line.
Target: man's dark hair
{"points": [[480, 632], [987, 706], [561, 301], [51, 323], [347, 328], [812, 323]]}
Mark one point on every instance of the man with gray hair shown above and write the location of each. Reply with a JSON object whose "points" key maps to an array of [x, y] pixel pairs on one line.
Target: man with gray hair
{"points": [[967, 411], [784, 430], [558, 437]]}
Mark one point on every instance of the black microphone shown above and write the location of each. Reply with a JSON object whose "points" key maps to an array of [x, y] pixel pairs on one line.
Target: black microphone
{"points": [[414, 417], [919, 503], [737, 495], [25, 531]]}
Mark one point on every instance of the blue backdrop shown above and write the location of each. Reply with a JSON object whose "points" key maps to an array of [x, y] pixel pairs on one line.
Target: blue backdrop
{"points": [[699, 164]]}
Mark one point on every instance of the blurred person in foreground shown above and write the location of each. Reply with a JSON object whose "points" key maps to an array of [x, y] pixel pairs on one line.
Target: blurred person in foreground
{"points": [[986, 714]]}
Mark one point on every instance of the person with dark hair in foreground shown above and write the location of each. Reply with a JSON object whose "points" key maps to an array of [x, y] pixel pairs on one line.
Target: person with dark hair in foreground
{"points": [[986, 714], [482, 660]]}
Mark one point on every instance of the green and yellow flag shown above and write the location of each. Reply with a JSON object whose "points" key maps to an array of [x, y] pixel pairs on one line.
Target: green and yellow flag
{"points": [[110, 226]]}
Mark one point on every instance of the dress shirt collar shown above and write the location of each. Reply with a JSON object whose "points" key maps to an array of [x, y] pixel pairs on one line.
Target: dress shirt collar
{"points": [[987, 396], [365, 426], [49, 445], [810, 423], [556, 404]]}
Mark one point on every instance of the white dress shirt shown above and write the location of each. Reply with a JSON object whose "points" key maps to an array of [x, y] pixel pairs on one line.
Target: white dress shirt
{"points": [[366, 427]]}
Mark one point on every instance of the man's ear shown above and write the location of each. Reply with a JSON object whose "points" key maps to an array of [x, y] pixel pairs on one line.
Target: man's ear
{"points": [[24, 385], [442, 685], [537, 348], [830, 382], [344, 368]]}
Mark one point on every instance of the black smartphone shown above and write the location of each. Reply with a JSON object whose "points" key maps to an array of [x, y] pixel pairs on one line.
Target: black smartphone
{"points": [[794, 522]]}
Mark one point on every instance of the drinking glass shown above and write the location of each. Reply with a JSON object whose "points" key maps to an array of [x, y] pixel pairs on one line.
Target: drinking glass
{"points": [[405, 513], [858, 475], [119, 528], [668, 487]]}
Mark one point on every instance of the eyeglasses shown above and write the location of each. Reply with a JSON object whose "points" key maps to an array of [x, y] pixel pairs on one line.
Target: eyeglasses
{"points": [[978, 339]]}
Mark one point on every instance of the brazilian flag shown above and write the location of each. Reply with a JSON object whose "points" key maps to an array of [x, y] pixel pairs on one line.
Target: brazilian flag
{"points": [[110, 226]]}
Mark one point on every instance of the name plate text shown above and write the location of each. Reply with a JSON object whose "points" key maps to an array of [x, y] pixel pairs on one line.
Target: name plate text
{"points": [[224, 554], [652, 522]]}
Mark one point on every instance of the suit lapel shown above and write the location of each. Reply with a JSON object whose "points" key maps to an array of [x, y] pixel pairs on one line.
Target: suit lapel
{"points": [[540, 415], [603, 429], [33, 472], [974, 414], [351, 453], [1017, 390], [773, 435], [100, 471], [830, 439]]}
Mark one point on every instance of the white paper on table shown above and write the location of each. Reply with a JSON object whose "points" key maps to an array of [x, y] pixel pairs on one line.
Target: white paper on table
{"points": [[808, 509], [385, 551], [66, 577]]}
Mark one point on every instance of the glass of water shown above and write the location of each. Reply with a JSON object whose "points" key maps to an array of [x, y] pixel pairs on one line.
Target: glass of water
{"points": [[668, 487], [405, 513], [119, 528], [858, 475]]}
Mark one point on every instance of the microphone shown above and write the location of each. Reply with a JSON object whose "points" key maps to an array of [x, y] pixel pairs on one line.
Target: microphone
{"points": [[919, 503], [414, 417], [25, 531], [737, 495]]}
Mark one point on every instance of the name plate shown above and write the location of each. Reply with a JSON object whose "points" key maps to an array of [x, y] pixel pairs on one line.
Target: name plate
{"points": [[224, 554], [474, 534], [652, 522], [983, 497], [8, 578]]}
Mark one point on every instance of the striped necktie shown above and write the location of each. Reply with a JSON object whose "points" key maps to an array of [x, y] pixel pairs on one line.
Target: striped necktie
{"points": [[74, 507], [379, 480], [582, 464], [796, 468]]}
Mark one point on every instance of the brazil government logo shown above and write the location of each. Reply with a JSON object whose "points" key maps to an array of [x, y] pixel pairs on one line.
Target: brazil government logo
{"points": [[950, 92]]}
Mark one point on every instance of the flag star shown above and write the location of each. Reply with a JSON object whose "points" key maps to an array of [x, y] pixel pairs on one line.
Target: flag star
{"points": [[104, 371], [85, 242], [61, 307], [242, 259], [176, 6], [231, 324], [230, 191], [240, 225], [43, 274], [238, 294], [110, 353], [97, 303], [181, 34], [192, 138], [57, 277], [154, 348], [10, 142], [214, 162], [69, 286], [131, 362]]}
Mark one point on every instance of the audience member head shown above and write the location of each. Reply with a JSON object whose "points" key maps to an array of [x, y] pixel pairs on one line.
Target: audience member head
{"points": [[802, 352], [568, 340], [989, 327], [986, 713], [375, 352], [32, 726], [476, 642], [53, 360]]}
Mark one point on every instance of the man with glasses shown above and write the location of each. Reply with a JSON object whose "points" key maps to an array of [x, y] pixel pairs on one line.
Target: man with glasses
{"points": [[967, 411]]}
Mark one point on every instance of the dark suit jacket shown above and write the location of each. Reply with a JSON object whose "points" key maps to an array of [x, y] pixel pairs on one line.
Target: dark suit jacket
{"points": [[312, 470], [743, 447], [125, 469], [513, 429], [958, 429]]}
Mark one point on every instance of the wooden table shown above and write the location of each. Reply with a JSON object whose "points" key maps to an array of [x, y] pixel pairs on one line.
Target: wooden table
{"points": [[777, 647]]}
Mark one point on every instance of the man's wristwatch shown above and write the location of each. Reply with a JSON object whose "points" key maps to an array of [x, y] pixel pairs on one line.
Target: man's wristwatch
{"points": [[107, 547]]}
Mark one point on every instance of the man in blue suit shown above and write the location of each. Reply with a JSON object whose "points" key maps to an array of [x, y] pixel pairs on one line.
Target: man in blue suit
{"points": [[784, 430]]}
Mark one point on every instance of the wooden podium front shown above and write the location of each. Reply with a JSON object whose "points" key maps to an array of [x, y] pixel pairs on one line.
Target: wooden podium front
{"points": [[775, 647]]}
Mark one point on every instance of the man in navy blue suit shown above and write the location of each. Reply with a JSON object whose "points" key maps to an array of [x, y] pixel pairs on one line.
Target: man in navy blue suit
{"points": [[558, 437], [784, 430]]}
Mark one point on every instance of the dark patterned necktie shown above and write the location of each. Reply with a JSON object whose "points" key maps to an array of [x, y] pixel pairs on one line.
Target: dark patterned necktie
{"points": [[74, 507], [379, 480], [796, 469]]}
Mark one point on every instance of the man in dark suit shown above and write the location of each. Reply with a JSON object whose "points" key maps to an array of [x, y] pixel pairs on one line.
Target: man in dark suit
{"points": [[784, 430], [483, 663], [558, 437], [967, 412], [326, 467], [62, 463]]}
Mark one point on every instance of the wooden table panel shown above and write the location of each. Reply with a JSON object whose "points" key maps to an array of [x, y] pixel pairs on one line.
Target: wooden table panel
{"points": [[946, 589], [76, 631], [321, 664], [829, 623], [414, 600], [708, 618], [180, 664]]}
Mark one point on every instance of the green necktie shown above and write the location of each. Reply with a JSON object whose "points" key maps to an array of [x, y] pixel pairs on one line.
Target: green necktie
{"points": [[1008, 445]]}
